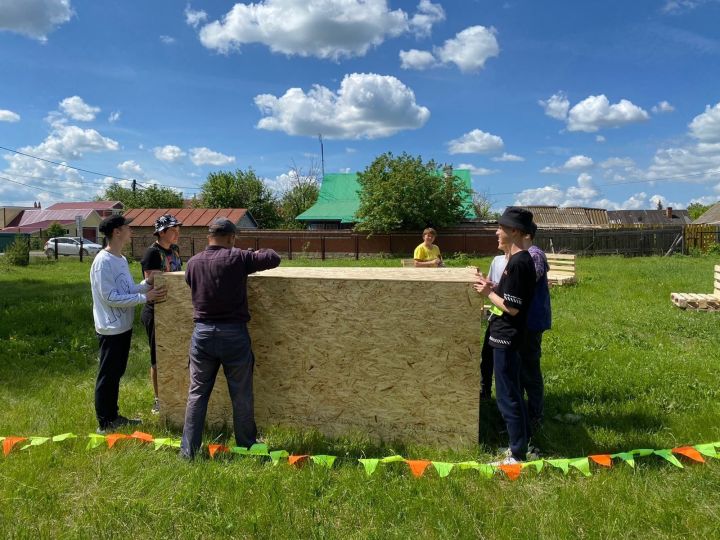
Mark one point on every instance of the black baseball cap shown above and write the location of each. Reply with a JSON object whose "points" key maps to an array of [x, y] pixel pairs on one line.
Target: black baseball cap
{"points": [[110, 223], [517, 218], [222, 226]]}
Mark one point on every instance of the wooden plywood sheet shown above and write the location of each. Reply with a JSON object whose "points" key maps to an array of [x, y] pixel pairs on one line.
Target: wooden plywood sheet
{"points": [[346, 350]]}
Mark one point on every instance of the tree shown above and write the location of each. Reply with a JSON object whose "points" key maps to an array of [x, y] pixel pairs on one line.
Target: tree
{"points": [[483, 207], [152, 196], [241, 189], [695, 210], [405, 193], [55, 229], [299, 194]]}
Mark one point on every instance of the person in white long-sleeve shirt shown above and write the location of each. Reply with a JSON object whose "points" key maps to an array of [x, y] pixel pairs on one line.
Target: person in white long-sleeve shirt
{"points": [[115, 295]]}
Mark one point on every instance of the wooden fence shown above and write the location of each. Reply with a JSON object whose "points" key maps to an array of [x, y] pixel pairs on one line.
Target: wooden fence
{"points": [[479, 241]]}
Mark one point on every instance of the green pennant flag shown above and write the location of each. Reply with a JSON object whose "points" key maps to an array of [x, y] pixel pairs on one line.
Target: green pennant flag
{"points": [[538, 464], [667, 454], [392, 459], [486, 470], [627, 457], [642, 452], [442, 468], [159, 443], [258, 449], [2, 439], [175, 443], [560, 464], [468, 465], [64, 437], [276, 455], [325, 461], [95, 440], [370, 465], [35, 441], [241, 450], [582, 465], [708, 450]]}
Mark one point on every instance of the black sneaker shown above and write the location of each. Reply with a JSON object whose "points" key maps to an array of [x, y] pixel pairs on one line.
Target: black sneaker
{"points": [[121, 421]]}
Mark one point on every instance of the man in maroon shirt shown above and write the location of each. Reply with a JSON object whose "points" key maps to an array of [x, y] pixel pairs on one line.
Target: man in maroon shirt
{"points": [[218, 281]]}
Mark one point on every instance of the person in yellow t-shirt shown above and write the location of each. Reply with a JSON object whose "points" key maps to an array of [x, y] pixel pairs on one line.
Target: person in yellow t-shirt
{"points": [[427, 254]]}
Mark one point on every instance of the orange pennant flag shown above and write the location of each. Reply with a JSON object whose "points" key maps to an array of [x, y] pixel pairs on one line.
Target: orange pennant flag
{"points": [[139, 435], [215, 448], [512, 471], [297, 460], [115, 437], [417, 466], [9, 442], [690, 452], [602, 459]]}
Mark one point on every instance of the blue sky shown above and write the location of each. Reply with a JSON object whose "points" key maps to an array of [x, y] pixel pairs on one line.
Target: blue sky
{"points": [[605, 104]]}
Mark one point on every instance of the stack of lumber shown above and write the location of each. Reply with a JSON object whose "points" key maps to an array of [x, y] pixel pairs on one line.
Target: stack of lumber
{"points": [[699, 301], [562, 269]]}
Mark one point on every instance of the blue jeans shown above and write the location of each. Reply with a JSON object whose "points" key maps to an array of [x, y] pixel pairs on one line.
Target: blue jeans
{"points": [[510, 400], [213, 345], [531, 379]]}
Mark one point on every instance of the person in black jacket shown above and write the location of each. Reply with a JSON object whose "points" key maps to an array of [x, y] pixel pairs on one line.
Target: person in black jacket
{"points": [[510, 300]]}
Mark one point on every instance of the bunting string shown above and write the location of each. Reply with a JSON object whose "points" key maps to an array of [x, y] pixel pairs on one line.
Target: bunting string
{"points": [[417, 467]]}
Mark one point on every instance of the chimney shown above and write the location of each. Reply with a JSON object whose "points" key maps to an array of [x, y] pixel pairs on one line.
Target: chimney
{"points": [[668, 212]]}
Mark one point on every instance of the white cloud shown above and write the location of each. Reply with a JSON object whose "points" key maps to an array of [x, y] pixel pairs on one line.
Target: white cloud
{"points": [[34, 18], [596, 112], [331, 29], [205, 156], [544, 196], [345, 170], [574, 163], [130, 167], [167, 40], [476, 142], [706, 126], [427, 15], [114, 117], [477, 171], [9, 116], [194, 18], [75, 108], [581, 194], [508, 157], [616, 162], [168, 152], [599, 138], [415, 59], [470, 49], [675, 7], [350, 150], [663, 107], [556, 106], [366, 106]]}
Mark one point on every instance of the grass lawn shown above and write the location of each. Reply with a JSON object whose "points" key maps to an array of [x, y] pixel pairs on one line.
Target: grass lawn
{"points": [[636, 371]]}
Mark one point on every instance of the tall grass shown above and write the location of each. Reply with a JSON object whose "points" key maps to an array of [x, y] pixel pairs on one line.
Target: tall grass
{"points": [[633, 370]]}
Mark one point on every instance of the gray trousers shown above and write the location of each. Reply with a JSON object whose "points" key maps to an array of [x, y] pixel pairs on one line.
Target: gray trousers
{"points": [[213, 345]]}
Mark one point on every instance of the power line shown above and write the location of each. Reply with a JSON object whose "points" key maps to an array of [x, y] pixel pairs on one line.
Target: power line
{"points": [[38, 188]]}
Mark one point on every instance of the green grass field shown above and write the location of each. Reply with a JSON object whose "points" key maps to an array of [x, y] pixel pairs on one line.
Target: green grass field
{"points": [[637, 372]]}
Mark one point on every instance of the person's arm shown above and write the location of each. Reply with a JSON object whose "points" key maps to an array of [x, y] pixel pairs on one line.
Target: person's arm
{"points": [[484, 287], [540, 262], [427, 264], [262, 259], [113, 297]]}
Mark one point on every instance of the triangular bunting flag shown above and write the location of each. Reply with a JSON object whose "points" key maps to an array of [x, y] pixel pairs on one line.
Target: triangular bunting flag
{"points": [[140, 436], [392, 459], [468, 465], [10, 442], [582, 465], [417, 466], [297, 460], [159, 443], [36, 441], [689, 452], [443, 468], [275, 455], [95, 440], [604, 460], [64, 437], [642, 452], [538, 464], [370, 465], [215, 448], [258, 449], [627, 457], [512, 471], [115, 437], [707, 450], [667, 454], [486, 470], [562, 464], [241, 450], [325, 461]]}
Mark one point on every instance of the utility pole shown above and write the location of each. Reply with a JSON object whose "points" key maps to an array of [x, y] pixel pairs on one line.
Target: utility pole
{"points": [[322, 157]]}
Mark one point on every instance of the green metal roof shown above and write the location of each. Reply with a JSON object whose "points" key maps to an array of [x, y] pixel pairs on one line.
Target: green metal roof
{"points": [[339, 198]]}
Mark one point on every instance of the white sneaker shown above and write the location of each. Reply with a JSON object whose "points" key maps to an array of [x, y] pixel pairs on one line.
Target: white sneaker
{"points": [[509, 460], [156, 407]]}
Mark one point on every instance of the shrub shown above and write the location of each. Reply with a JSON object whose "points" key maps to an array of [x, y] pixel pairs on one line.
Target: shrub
{"points": [[18, 253]]}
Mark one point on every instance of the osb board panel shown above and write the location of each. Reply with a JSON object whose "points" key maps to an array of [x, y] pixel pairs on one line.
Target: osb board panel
{"points": [[390, 358]]}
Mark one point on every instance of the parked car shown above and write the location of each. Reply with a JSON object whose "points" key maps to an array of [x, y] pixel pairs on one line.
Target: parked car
{"points": [[70, 245]]}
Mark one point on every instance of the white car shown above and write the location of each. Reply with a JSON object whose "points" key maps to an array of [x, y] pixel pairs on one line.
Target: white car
{"points": [[70, 245]]}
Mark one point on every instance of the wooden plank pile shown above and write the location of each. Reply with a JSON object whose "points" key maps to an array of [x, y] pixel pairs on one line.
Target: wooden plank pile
{"points": [[700, 302], [562, 269]]}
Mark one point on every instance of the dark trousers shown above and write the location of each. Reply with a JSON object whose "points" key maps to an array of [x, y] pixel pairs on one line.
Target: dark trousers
{"points": [[531, 379], [486, 366], [148, 319], [213, 345], [510, 400], [114, 352]]}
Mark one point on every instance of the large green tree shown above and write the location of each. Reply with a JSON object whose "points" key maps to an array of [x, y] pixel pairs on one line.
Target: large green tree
{"points": [[695, 210], [241, 189], [405, 193], [300, 193], [152, 196]]}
